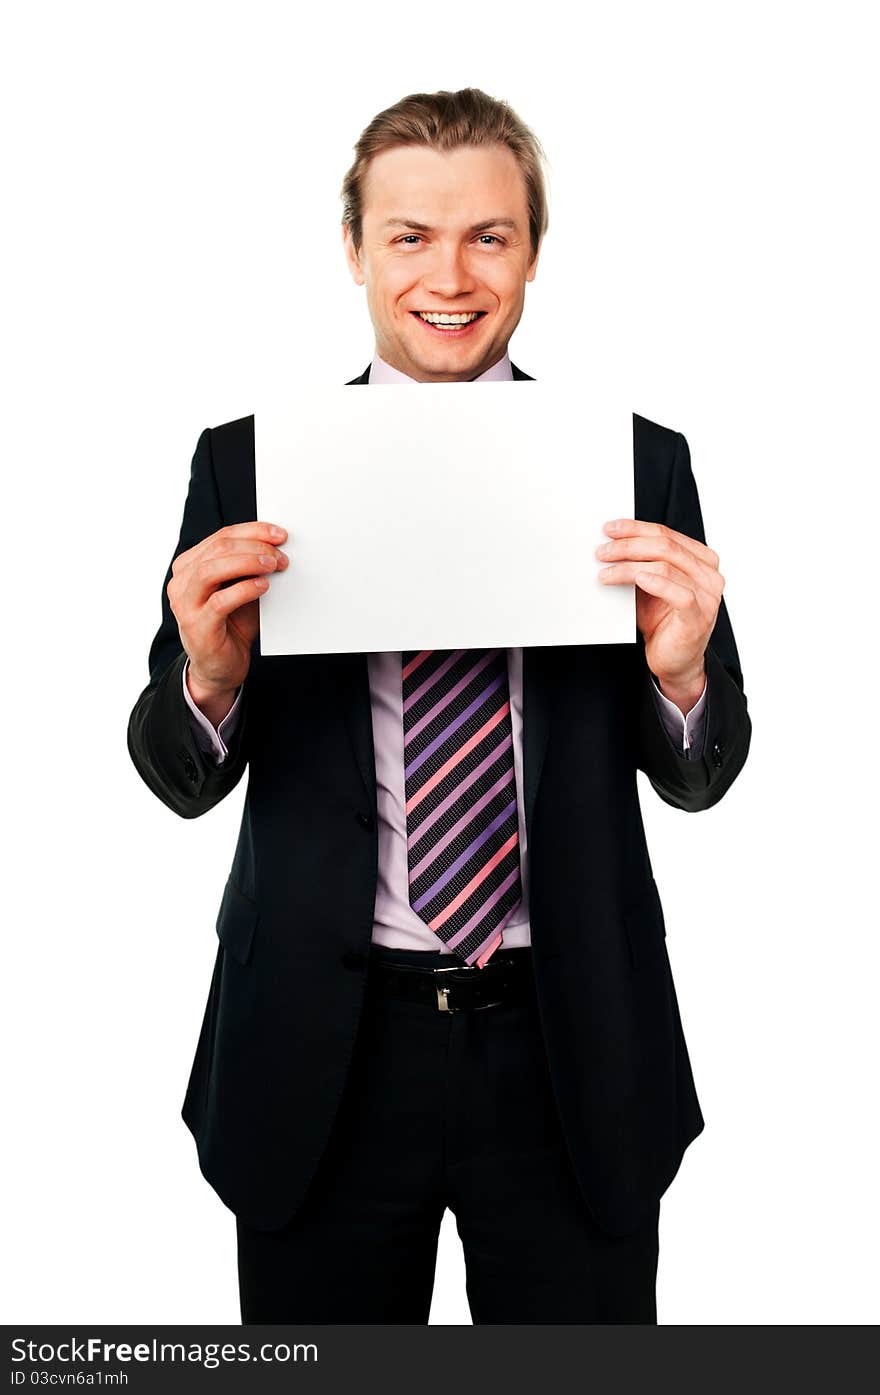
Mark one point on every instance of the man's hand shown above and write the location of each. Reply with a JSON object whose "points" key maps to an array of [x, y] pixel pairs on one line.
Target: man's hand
{"points": [[218, 615], [678, 593]]}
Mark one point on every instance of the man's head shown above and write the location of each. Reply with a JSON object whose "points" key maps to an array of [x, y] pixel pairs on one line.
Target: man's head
{"points": [[444, 210]]}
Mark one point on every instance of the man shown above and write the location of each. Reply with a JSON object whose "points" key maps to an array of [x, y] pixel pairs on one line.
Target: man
{"points": [[442, 977]]}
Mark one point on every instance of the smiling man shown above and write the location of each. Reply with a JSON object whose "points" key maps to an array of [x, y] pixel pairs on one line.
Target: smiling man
{"points": [[441, 978], [445, 283]]}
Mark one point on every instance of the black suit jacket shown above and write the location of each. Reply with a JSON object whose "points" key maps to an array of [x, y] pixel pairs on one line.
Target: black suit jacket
{"points": [[295, 919]]}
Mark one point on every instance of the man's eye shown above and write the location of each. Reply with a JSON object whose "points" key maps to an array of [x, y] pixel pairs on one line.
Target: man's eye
{"points": [[414, 237]]}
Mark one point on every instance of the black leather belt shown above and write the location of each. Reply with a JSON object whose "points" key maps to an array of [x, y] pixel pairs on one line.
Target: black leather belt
{"points": [[507, 978]]}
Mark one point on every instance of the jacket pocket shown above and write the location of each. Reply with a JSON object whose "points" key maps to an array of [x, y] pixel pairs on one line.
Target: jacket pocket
{"points": [[236, 922]]}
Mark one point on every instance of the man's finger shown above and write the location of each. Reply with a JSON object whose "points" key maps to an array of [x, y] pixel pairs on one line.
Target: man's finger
{"points": [[233, 535], [221, 604], [680, 597], [638, 527], [208, 573], [252, 530], [663, 547], [629, 573]]}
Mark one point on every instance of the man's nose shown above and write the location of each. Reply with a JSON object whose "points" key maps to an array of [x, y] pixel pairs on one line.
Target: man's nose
{"points": [[448, 274]]}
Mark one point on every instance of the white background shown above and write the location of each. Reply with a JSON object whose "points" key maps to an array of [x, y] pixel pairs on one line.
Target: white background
{"points": [[172, 174]]}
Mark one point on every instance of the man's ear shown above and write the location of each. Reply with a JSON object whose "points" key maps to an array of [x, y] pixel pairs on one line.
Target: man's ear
{"points": [[530, 274], [351, 256]]}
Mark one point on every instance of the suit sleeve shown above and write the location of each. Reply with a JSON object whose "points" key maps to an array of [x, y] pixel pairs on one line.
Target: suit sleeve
{"points": [[161, 740], [699, 783]]}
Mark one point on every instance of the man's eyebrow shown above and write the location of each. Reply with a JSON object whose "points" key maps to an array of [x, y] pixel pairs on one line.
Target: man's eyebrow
{"points": [[423, 227]]}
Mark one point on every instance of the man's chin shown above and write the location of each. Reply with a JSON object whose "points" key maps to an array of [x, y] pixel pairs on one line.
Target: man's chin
{"points": [[447, 360]]}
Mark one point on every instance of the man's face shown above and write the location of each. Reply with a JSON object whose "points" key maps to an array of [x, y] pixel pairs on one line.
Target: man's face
{"points": [[470, 252]]}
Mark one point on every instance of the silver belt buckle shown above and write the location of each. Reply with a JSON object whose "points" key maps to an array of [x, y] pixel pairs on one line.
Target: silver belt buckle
{"points": [[443, 992]]}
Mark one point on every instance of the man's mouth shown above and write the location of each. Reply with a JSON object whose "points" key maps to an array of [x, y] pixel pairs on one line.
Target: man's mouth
{"points": [[450, 326]]}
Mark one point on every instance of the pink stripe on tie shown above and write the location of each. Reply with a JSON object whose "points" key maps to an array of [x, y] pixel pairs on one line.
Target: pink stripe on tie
{"points": [[474, 882], [458, 757], [467, 817], [435, 677], [447, 698], [480, 913], [429, 820], [489, 951], [417, 662]]}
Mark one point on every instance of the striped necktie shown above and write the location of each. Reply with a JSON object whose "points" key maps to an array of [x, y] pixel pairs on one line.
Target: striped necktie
{"points": [[462, 830]]}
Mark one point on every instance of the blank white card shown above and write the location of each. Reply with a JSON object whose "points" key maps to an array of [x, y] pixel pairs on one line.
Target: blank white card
{"points": [[442, 516]]}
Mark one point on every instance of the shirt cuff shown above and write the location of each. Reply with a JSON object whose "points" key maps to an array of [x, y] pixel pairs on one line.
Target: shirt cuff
{"points": [[685, 730], [210, 739]]}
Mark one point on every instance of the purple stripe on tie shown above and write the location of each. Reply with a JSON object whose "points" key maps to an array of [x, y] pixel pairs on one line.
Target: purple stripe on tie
{"points": [[417, 831], [468, 853], [466, 818], [448, 697], [487, 906], [453, 726], [435, 676]]}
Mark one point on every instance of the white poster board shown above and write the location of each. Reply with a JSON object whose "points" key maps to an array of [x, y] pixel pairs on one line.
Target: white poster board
{"points": [[442, 516]]}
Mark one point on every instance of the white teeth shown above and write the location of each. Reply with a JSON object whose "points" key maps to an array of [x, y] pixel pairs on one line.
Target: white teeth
{"points": [[434, 319]]}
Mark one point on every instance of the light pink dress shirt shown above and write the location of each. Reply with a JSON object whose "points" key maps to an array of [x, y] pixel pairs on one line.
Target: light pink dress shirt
{"points": [[395, 923]]}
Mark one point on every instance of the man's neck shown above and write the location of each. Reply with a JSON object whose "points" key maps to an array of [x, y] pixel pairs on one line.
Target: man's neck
{"points": [[382, 372]]}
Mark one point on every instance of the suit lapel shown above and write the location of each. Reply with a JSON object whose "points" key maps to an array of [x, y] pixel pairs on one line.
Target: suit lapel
{"points": [[358, 713]]}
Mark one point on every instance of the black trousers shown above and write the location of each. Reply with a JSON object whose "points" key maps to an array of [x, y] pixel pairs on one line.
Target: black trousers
{"points": [[446, 1110]]}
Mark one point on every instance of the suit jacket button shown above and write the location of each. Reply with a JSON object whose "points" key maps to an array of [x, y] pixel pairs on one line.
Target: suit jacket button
{"points": [[366, 822], [353, 959], [189, 766], [718, 754]]}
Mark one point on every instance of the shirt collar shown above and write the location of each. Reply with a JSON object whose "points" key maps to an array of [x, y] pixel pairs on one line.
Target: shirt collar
{"points": [[382, 372]]}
